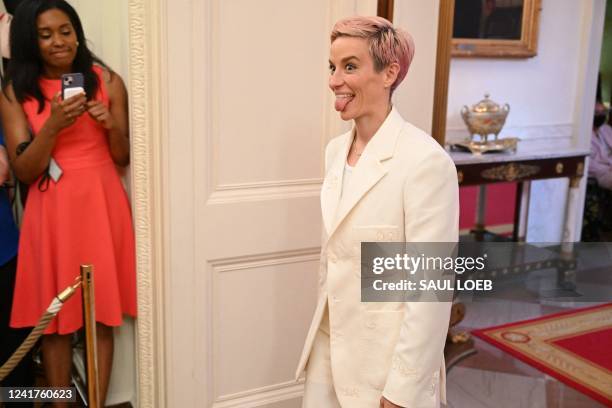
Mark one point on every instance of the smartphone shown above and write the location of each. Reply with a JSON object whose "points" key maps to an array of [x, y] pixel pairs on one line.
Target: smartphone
{"points": [[72, 84]]}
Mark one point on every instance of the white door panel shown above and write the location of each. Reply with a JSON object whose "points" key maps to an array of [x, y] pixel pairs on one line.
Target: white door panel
{"points": [[248, 117]]}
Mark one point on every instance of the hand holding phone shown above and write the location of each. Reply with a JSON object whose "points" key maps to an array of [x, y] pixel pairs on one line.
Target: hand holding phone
{"points": [[65, 112]]}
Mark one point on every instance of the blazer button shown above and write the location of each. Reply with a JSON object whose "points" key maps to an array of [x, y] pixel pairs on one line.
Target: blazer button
{"points": [[380, 236]]}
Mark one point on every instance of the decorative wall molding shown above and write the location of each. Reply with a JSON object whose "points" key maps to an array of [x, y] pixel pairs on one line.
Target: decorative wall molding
{"points": [[263, 260], [285, 189], [261, 396], [143, 87]]}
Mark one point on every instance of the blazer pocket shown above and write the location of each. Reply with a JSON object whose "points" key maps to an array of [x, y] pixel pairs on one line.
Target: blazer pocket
{"points": [[376, 233], [371, 233]]}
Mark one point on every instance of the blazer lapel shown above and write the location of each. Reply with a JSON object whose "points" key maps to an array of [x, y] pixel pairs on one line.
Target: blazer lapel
{"points": [[332, 185], [369, 169], [365, 175]]}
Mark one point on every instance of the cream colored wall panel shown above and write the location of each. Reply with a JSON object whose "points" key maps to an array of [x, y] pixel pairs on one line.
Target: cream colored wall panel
{"points": [[288, 395], [269, 75], [261, 309], [285, 404], [414, 97], [295, 403], [261, 227], [187, 384], [271, 190], [106, 27], [340, 9]]}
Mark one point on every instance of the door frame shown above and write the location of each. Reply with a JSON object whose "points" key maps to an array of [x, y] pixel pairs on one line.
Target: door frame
{"points": [[146, 67]]}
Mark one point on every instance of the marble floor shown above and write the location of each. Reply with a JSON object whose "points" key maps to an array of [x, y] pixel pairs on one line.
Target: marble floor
{"points": [[475, 388]]}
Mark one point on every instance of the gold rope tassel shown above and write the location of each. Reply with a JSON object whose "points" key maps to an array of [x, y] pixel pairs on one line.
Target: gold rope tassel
{"points": [[35, 334]]}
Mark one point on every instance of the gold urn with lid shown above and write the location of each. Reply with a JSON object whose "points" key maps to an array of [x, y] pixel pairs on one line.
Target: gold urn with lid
{"points": [[485, 118]]}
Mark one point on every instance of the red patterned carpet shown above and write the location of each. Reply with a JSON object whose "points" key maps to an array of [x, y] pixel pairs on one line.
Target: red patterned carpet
{"points": [[575, 347]]}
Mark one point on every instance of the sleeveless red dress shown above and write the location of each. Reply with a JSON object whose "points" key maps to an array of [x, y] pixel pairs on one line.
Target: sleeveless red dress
{"points": [[84, 218]]}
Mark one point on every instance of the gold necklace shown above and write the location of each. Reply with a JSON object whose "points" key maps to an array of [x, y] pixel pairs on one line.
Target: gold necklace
{"points": [[354, 149]]}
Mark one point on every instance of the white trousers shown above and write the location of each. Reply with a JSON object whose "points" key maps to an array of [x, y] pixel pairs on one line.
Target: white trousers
{"points": [[319, 390]]}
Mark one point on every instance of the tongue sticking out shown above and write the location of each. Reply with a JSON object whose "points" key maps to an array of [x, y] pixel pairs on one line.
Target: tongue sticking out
{"points": [[341, 102]]}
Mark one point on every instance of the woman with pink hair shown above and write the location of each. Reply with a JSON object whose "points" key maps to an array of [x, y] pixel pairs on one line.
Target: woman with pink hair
{"points": [[385, 180]]}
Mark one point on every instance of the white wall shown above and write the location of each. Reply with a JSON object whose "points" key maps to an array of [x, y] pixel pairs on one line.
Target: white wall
{"points": [[414, 97], [545, 94], [541, 91], [106, 28]]}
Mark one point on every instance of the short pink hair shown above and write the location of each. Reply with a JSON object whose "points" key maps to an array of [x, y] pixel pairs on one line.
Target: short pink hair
{"points": [[387, 43]]}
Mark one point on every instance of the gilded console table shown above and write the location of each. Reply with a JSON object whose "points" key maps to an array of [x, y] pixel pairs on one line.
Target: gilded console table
{"points": [[526, 164]]}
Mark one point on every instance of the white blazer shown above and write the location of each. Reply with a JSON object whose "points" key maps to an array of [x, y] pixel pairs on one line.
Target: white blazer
{"points": [[403, 188]]}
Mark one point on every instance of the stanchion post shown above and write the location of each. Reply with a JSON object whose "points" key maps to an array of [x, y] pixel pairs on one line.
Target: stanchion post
{"points": [[89, 316]]}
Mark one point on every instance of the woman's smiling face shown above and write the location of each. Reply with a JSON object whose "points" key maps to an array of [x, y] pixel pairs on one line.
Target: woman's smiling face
{"points": [[360, 90]]}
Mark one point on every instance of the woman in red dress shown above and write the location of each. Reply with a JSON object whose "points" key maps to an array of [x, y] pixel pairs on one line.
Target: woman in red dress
{"points": [[77, 211]]}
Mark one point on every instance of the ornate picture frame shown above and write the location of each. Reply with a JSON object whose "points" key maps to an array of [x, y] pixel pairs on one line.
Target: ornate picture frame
{"points": [[525, 47]]}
